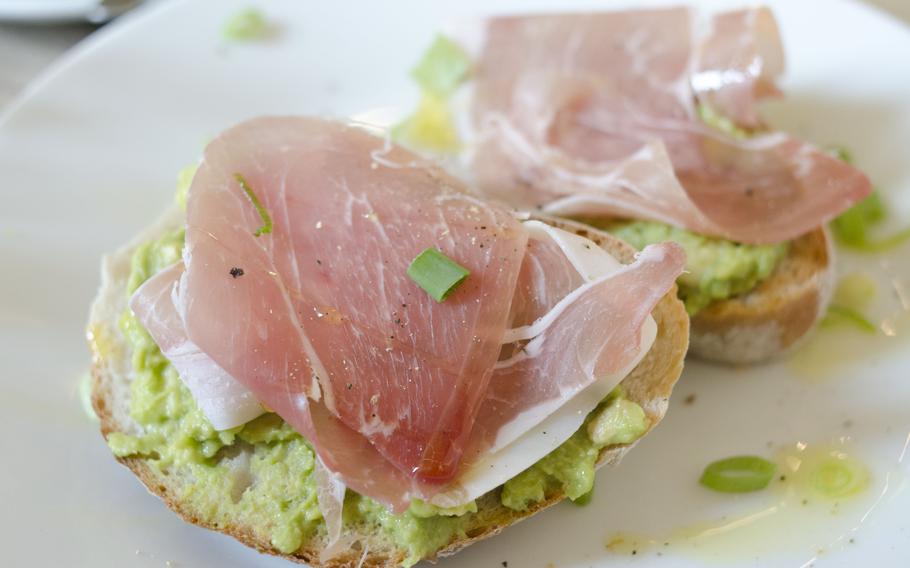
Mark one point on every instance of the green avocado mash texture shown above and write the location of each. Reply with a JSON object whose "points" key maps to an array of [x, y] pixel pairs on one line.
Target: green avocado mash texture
{"points": [[273, 489], [716, 269]]}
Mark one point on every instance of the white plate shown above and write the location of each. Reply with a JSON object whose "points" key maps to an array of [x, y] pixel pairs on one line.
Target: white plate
{"points": [[90, 154]]}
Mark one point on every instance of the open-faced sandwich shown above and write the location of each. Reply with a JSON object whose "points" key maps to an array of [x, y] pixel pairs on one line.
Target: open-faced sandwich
{"points": [[337, 353], [636, 123]]}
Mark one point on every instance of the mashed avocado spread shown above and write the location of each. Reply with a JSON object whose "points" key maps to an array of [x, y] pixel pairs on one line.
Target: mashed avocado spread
{"points": [[716, 269], [270, 486]]}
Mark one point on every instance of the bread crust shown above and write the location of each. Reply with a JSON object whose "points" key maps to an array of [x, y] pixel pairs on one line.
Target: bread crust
{"points": [[772, 319], [649, 384]]}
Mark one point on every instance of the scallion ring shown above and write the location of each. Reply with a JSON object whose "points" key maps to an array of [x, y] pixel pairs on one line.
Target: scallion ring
{"points": [[849, 315], [436, 273], [739, 474]]}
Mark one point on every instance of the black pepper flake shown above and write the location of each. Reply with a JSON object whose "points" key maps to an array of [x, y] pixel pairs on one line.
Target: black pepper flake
{"points": [[634, 552], [319, 262], [350, 386], [505, 564], [236, 272], [690, 399], [749, 192], [783, 478]]}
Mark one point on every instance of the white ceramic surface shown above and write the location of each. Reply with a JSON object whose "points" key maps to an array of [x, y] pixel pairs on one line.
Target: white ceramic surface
{"points": [[90, 153]]}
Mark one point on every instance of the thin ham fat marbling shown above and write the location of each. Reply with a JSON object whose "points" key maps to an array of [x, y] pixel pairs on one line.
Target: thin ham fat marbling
{"points": [[226, 402], [597, 114], [325, 328]]}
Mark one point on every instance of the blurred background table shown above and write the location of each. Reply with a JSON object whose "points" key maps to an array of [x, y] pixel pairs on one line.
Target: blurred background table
{"points": [[27, 49]]}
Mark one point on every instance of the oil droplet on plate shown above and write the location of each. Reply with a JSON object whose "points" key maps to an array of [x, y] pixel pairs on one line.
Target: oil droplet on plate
{"points": [[819, 498]]}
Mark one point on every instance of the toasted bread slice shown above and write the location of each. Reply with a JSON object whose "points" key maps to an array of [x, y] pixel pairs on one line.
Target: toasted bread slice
{"points": [[771, 319], [649, 385]]}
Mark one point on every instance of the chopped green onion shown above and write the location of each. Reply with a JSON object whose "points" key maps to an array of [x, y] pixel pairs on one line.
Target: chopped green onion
{"points": [[837, 313], [436, 273], [246, 25], [839, 477], [443, 67], [888, 242], [854, 293], [853, 225], [251, 195], [431, 127], [739, 474]]}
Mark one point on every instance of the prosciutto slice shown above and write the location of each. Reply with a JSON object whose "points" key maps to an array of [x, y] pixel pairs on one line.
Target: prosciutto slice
{"points": [[538, 398], [325, 308], [294, 286], [738, 63], [224, 401], [596, 114], [573, 344]]}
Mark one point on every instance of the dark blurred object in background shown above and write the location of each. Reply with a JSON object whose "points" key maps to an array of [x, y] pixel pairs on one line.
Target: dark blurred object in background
{"points": [[63, 11]]}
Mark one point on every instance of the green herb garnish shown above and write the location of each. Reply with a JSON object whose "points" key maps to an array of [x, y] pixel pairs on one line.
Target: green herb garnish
{"points": [[853, 226], [436, 273], [854, 293], [431, 126], [837, 314], [251, 195], [739, 474], [246, 25], [443, 67]]}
